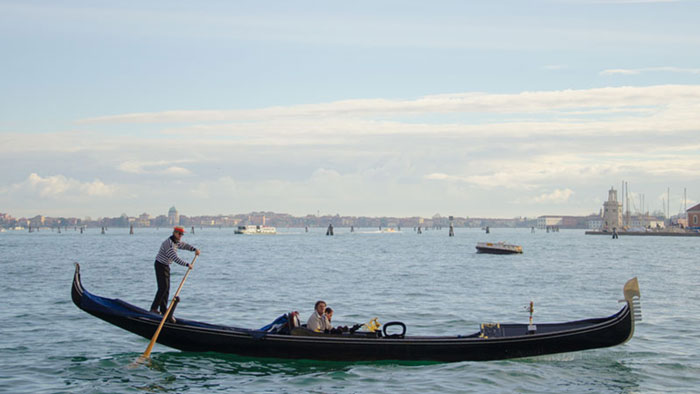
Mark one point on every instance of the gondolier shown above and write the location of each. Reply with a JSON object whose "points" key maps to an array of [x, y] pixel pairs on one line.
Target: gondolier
{"points": [[166, 255]]}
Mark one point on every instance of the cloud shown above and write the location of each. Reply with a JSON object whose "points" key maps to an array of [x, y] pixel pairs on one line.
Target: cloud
{"points": [[324, 175], [486, 180], [558, 196], [488, 121], [222, 187], [555, 67], [637, 71], [440, 176], [534, 172], [133, 167], [162, 167], [175, 170], [620, 71], [537, 102], [467, 146], [60, 187]]}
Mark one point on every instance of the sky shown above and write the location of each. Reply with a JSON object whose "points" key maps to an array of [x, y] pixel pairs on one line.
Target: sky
{"points": [[364, 108]]}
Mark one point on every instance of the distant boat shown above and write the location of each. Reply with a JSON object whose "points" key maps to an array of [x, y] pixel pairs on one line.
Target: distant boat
{"points": [[498, 248], [390, 230], [253, 229]]}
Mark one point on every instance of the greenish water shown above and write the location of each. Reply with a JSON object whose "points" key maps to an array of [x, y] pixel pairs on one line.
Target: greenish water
{"points": [[435, 284]]}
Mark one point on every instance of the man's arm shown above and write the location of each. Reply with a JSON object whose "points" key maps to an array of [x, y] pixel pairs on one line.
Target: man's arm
{"points": [[186, 246]]}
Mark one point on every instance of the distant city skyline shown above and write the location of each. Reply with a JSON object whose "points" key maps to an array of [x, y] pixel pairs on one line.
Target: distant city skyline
{"points": [[173, 215], [612, 218], [398, 108]]}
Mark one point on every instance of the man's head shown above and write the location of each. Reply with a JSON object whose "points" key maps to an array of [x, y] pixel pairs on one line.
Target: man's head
{"points": [[178, 231], [320, 307]]}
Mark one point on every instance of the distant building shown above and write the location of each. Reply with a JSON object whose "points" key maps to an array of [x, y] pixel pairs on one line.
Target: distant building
{"points": [[37, 221], [694, 217], [646, 221], [144, 220], [173, 217], [595, 223], [549, 221], [612, 212], [566, 221]]}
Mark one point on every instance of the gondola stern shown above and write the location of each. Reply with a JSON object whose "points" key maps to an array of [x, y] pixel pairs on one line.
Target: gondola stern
{"points": [[632, 297]]}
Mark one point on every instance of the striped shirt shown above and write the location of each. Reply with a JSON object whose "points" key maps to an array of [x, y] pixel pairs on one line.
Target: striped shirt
{"points": [[168, 251]]}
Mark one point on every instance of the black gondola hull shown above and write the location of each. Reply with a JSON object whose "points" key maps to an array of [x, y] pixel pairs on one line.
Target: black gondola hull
{"points": [[515, 341]]}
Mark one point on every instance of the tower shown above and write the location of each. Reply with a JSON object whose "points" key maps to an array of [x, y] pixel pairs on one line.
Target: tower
{"points": [[612, 212], [173, 217]]}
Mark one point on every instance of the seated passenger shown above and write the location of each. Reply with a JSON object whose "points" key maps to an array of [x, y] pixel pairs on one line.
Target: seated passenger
{"points": [[329, 315], [318, 321]]}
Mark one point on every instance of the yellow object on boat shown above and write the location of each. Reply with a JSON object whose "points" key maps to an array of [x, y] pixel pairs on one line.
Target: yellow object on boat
{"points": [[373, 325]]}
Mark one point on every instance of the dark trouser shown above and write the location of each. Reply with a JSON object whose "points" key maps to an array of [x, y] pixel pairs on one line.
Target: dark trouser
{"points": [[163, 279]]}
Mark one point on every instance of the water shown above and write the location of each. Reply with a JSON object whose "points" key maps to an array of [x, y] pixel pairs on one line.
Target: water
{"points": [[433, 283]]}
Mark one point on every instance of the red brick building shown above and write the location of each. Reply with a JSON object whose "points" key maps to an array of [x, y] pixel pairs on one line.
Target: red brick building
{"points": [[694, 216]]}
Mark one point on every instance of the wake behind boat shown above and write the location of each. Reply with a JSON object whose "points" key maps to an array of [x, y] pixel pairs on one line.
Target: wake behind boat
{"points": [[290, 340]]}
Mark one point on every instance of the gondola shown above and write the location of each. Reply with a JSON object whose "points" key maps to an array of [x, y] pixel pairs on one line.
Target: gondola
{"points": [[491, 342]]}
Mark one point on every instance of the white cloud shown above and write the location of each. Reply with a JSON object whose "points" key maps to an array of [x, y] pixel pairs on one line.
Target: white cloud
{"points": [[537, 102], [468, 146], [175, 170], [222, 187], [536, 172], [132, 167], [162, 167], [555, 67], [484, 118], [60, 187], [621, 71], [558, 196], [440, 176], [324, 175], [637, 71]]}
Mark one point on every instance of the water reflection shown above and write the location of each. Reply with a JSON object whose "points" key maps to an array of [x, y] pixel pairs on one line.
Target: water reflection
{"points": [[596, 371], [233, 364]]}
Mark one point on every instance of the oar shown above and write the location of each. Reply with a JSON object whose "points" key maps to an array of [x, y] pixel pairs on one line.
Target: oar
{"points": [[147, 353]]}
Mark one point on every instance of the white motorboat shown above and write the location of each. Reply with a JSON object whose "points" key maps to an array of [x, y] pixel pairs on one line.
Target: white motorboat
{"points": [[253, 229]]}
